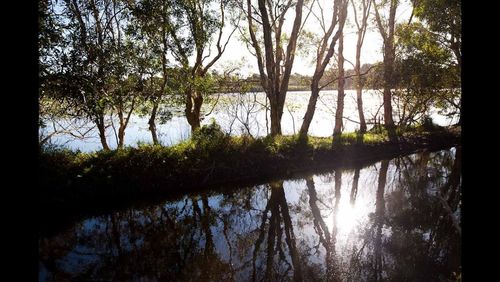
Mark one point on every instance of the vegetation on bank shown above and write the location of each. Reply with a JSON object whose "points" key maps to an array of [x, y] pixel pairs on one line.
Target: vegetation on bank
{"points": [[75, 180]]}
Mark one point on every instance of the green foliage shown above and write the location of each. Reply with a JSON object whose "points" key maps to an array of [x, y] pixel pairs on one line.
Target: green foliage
{"points": [[210, 140], [426, 73], [282, 144], [442, 16], [203, 84], [209, 133]]}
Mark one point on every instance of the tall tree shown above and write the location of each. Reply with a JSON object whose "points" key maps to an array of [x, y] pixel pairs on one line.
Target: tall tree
{"points": [[386, 30], [50, 41], [152, 21], [127, 77], [274, 65], [361, 24], [324, 52], [444, 18], [337, 130]]}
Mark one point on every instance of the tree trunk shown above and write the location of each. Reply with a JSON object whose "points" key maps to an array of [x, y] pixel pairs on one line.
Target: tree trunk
{"points": [[102, 132], [389, 56], [121, 136], [152, 124], [311, 107], [324, 53], [359, 90], [388, 78], [366, 4], [388, 121], [123, 123], [121, 128], [193, 109], [340, 91], [275, 119], [273, 80]]}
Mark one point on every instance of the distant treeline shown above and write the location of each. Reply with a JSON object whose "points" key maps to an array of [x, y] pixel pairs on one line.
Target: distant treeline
{"points": [[299, 82]]}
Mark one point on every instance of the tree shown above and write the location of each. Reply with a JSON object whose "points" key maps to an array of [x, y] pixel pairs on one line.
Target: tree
{"points": [[337, 130], [444, 20], [126, 82], [151, 23], [91, 71], [387, 32], [274, 77], [324, 52], [425, 76], [361, 25], [196, 23], [86, 66]]}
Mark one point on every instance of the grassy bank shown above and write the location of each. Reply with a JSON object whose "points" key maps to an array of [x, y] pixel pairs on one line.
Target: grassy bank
{"points": [[72, 182]]}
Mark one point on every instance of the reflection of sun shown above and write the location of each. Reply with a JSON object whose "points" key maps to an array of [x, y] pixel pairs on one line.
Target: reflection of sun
{"points": [[349, 216]]}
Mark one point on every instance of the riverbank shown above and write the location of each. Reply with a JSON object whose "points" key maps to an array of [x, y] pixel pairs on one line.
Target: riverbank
{"points": [[81, 183]]}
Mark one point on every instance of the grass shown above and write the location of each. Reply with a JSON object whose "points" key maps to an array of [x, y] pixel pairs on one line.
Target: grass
{"points": [[208, 147], [198, 150]]}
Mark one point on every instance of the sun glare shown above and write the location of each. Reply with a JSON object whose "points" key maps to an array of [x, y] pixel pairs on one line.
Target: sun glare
{"points": [[349, 216]]}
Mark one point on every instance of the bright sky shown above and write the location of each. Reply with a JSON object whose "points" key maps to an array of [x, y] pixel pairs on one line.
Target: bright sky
{"points": [[371, 51]]}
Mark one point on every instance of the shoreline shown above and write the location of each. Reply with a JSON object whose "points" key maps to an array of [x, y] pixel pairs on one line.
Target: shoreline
{"points": [[76, 185]]}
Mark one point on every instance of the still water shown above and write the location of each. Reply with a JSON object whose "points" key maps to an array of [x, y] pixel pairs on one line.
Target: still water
{"points": [[236, 114], [395, 220]]}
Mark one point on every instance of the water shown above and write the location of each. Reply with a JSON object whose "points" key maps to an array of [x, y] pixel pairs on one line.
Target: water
{"points": [[401, 222], [237, 115]]}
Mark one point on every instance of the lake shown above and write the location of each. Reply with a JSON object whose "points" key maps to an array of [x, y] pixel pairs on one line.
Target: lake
{"points": [[238, 115], [394, 220]]}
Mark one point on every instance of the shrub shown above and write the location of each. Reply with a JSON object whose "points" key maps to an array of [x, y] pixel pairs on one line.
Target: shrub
{"points": [[210, 139]]}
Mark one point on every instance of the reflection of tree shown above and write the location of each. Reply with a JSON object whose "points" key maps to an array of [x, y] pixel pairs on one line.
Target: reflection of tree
{"points": [[413, 233], [423, 241], [157, 243], [354, 190], [52, 250], [326, 238], [379, 220], [450, 193], [279, 216], [208, 259]]}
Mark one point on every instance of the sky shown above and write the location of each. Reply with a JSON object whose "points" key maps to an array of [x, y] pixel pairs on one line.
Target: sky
{"points": [[371, 51]]}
